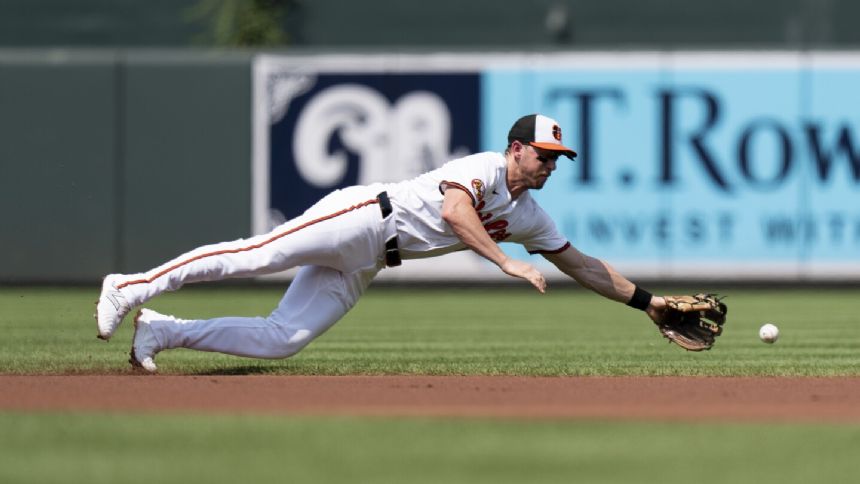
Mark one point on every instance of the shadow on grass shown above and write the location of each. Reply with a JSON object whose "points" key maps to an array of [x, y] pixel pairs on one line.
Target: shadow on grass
{"points": [[244, 370]]}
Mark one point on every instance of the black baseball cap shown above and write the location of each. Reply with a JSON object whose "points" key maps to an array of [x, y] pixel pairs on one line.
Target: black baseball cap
{"points": [[541, 132]]}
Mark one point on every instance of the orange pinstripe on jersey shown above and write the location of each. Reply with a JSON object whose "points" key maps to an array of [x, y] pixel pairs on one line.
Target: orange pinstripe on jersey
{"points": [[250, 247]]}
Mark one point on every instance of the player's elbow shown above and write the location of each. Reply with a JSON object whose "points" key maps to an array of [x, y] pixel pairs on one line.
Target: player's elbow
{"points": [[449, 214]]}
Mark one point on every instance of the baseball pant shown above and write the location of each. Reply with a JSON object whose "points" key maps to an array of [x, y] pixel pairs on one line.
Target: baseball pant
{"points": [[339, 242], [317, 298]]}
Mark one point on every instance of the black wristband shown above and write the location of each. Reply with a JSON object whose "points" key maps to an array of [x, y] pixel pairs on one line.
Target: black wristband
{"points": [[641, 299]]}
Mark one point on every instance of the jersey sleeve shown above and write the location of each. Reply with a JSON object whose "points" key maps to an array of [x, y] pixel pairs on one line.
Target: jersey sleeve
{"points": [[543, 236], [475, 175]]}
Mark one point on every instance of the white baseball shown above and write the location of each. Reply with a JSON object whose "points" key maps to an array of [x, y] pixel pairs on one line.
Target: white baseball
{"points": [[768, 333]]}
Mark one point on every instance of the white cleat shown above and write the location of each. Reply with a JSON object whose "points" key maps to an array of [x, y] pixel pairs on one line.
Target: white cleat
{"points": [[111, 308], [144, 346]]}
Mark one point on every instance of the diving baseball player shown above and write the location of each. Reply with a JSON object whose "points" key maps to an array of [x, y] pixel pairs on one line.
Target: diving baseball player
{"points": [[346, 238]]}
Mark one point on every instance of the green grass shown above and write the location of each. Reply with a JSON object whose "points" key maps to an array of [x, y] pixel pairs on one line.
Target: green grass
{"points": [[457, 331], [92, 449]]}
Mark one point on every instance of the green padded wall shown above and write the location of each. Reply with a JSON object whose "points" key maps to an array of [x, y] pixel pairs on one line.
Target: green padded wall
{"points": [[187, 137], [118, 161], [57, 171]]}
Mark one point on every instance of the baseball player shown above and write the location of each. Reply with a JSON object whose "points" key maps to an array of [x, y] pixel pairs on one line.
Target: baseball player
{"points": [[346, 238]]}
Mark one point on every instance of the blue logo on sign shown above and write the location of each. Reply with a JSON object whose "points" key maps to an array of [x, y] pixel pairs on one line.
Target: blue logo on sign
{"points": [[331, 131]]}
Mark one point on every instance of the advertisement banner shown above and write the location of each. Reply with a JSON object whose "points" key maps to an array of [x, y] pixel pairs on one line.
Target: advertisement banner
{"points": [[741, 165]]}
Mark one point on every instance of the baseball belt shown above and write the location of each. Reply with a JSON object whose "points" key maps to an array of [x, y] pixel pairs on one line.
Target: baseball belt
{"points": [[392, 253]]}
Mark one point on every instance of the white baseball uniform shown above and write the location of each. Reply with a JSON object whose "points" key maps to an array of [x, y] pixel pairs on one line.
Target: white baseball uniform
{"points": [[340, 243]]}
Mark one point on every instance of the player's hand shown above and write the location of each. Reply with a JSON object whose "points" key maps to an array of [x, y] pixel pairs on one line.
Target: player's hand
{"points": [[518, 268], [657, 309]]}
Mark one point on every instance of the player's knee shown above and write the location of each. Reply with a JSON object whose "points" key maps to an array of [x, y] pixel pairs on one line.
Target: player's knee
{"points": [[296, 341]]}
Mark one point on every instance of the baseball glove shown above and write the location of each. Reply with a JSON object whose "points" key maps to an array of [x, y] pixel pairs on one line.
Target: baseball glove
{"points": [[693, 322]]}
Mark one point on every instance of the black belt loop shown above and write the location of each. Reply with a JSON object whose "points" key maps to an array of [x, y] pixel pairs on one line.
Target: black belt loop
{"points": [[392, 253], [384, 204]]}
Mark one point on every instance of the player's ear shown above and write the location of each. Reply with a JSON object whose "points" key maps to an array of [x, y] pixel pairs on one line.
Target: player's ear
{"points": [[517, 148]]}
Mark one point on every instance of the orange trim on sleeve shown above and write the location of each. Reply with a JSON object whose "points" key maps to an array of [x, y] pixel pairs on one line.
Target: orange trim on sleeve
{"points": [[557, 251], [250, 247], [449, 184]]}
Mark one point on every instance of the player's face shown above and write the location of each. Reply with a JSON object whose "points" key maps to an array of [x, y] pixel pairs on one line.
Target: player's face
{"points": [[536, 165]]}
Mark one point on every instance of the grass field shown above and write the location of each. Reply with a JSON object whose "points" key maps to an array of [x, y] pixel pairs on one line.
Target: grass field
{"points": [[464, 331], [95, 449]]}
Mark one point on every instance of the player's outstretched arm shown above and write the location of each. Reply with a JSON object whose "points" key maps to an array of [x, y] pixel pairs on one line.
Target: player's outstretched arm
{"points": [[691, 322], [458, 213], [601, 278]]}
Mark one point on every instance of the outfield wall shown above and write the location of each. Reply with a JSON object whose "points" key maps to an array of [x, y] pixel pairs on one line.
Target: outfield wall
{"points": [[115, 160], [745, 164]]}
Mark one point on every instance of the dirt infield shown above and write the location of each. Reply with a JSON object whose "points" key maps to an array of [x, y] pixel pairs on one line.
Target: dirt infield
{"points": [[653, 398]]}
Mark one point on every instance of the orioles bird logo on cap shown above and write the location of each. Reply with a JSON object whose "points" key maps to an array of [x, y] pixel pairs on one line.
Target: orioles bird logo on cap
{"points": [[556, 132]]}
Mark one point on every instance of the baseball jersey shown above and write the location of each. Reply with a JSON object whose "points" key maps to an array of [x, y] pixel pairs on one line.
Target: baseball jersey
{"points": [[417, 205]]}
